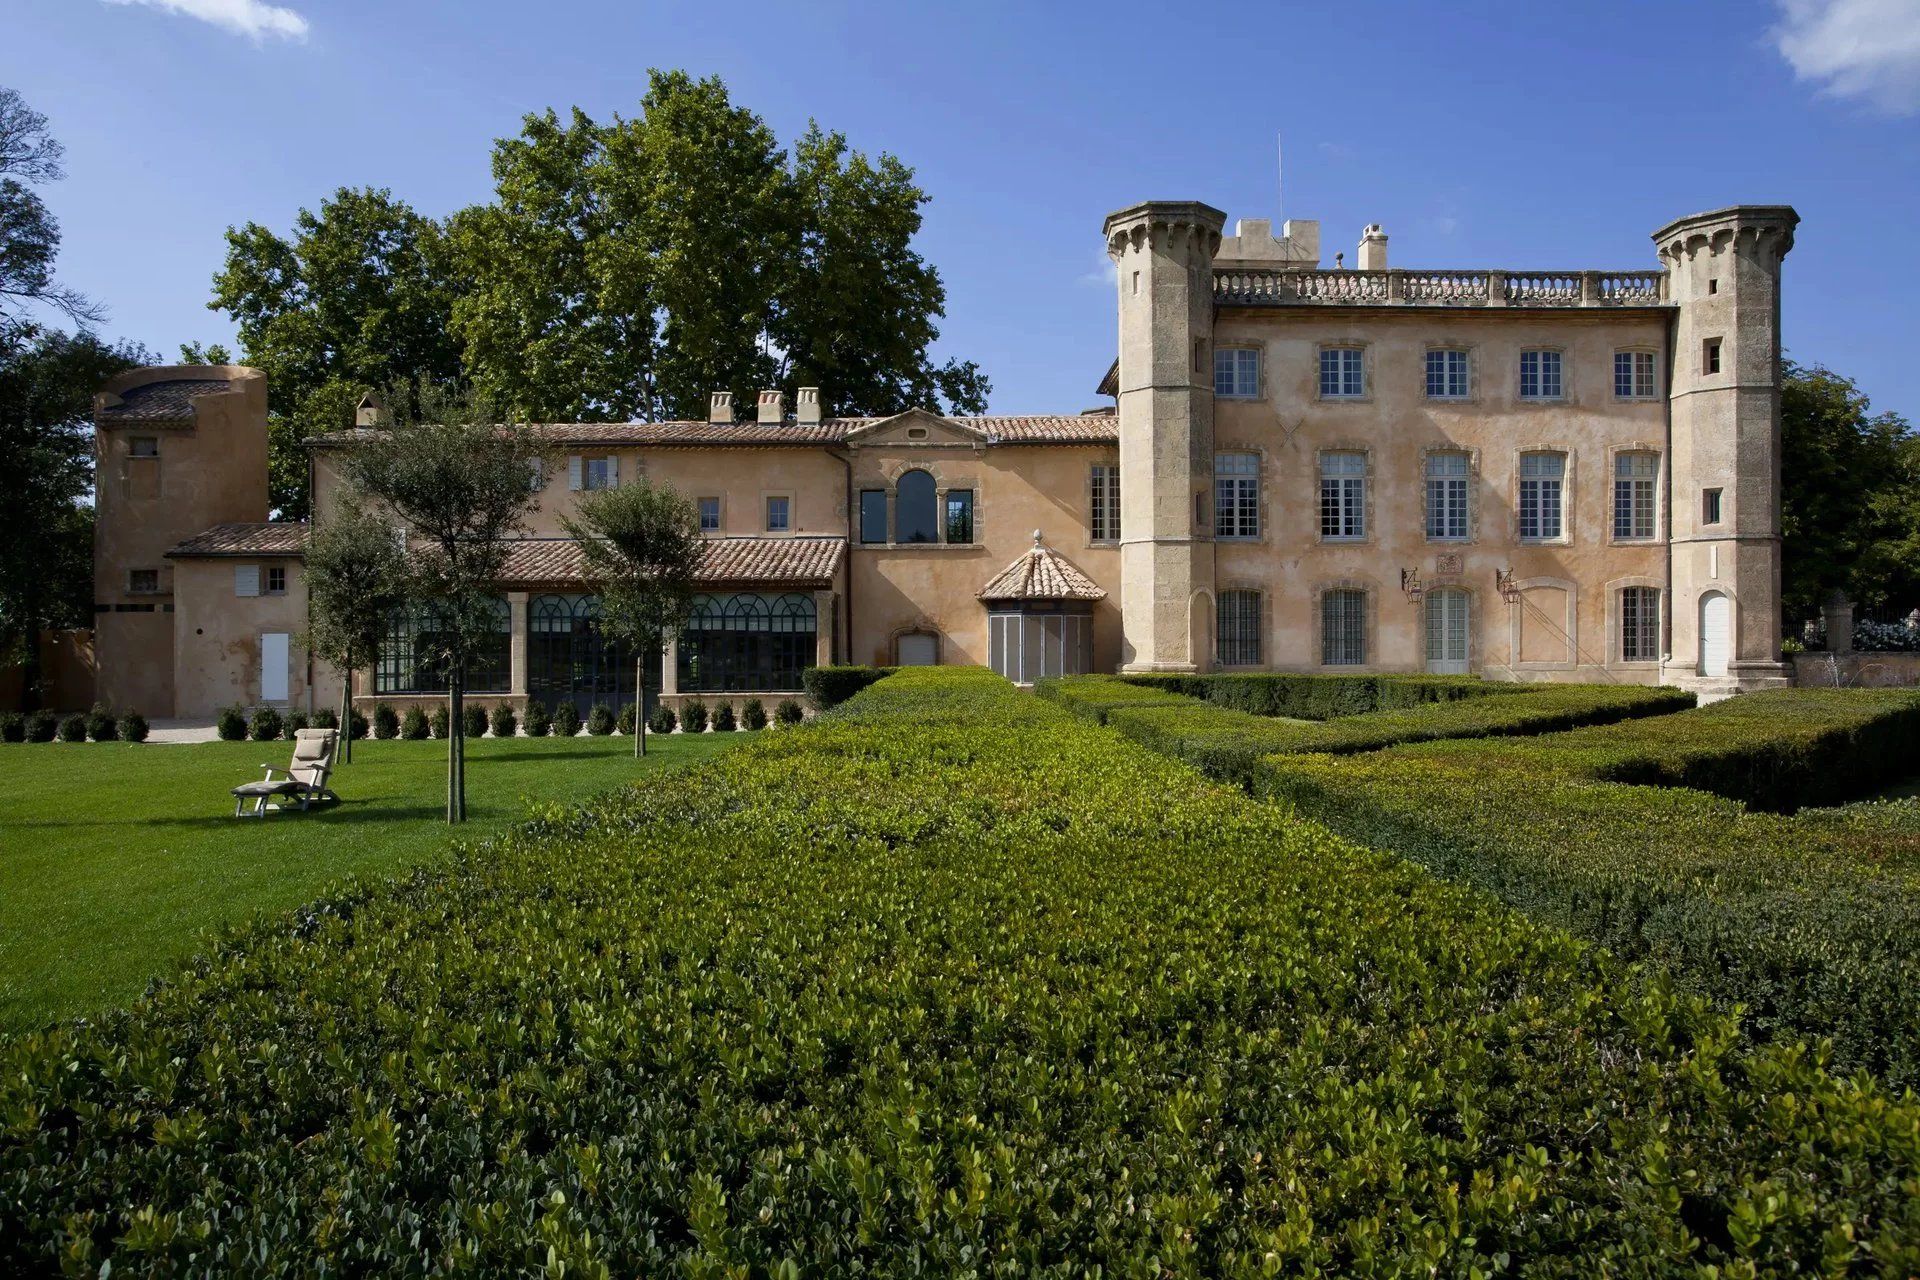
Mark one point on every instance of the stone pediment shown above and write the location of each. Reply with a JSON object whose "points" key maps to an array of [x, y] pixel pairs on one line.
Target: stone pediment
{"points": [[917, 427]]}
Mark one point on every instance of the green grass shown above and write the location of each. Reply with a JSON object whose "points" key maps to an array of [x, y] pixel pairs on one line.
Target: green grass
{"points": [[114, 858]]}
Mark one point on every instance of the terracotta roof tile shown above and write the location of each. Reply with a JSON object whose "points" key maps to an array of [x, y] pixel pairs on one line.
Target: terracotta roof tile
{"points": [[1092, 428], [278, 538], [1041, 573], [798, 561], [161, 401]]}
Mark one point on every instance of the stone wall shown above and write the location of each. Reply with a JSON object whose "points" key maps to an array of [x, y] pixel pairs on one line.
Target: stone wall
{"points": [[1816, 669]]}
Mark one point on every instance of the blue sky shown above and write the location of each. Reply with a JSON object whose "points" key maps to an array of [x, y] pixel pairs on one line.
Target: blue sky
{"points": [[1520, 135]]}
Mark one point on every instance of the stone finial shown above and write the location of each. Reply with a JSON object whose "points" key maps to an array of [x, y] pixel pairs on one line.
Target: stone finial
{"points": [[1038, 541], [773, 407], [1373, 249], [720, 407], [806, 406]]}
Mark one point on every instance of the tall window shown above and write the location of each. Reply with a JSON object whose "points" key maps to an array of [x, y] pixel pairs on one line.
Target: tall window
{"points": [[1343, 496], [747, 642], [779, 513], [1342, 373], [1540, 375], [915, 516], [1633, 375], [413, 649], [1103, 509], [1542, 476], [1710, 506], [1237, 628], [1710, 356], [1343, 628], [959, 515], [1446, 375], [593, 473], [1447, 496], [1236, 372], [1634, 476], [1236, 495], [709, 515], [1639, 624], [873, 515]]}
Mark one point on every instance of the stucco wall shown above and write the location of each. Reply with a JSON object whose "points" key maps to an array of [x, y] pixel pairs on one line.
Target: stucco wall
{"points": [[1868, 670], [216, 640]]}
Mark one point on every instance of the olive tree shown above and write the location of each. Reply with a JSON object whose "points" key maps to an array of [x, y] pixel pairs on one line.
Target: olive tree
{"points": [[356, 577]]}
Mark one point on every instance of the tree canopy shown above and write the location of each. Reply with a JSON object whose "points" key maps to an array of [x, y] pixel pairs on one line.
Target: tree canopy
{"points": [[29, 235]]}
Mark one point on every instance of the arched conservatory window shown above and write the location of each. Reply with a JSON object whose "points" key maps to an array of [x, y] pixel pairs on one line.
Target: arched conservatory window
{"points": [[570, 659], [747, 642], [413, 652], [916, 514]]}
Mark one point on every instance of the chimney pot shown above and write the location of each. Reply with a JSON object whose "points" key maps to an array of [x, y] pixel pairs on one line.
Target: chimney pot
{"points": [[807, 407], [773, 406], [370, 412], [1373, 248], [720, 407]]}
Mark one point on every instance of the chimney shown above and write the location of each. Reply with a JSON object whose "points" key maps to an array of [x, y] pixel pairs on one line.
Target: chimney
{"points": [[720, 407], [370, 412], [807, 407], [773, 407], [1373, 249]]}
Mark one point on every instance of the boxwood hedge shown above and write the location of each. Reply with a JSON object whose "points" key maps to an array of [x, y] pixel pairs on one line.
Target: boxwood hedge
{"points": [[1318, 697], [947, 983]]}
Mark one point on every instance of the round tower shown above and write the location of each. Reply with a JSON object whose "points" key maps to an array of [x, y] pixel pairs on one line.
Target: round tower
{"points": [[1723, 274], [1163, 252]]}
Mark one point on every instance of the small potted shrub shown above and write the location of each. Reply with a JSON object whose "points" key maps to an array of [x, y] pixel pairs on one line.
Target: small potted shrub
{"points": [[100, 724], [663, 720], [473, 720], [357, 726], [231, 724], [788, 713], [133, 727], [414, 726], [723, 718], [13, 727], [693, 716], [386, 722], [539, 719], [265, 725], [502, 721], [566, 720], [624, 722], [600, 720], [42, 726], [753, 715], [296, 721], [442, 722], [73, 728]]}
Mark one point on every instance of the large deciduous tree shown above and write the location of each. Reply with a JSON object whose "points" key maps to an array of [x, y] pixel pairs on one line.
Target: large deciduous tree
{"points": [[359, 297], [29, 236], [459, 478], [356, 575], [642, 546]]}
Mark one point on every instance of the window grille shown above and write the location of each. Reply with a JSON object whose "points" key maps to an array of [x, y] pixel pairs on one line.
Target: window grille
{"points": [[1342, 373], [1237, 628], [1236, 495], [1639, 624], [1447, 477], [1343, 628], [1542, 476], [1236, 372], [1540, 375], [1103, 519], [1446, 375], [1634, 476], [1343, 496]]}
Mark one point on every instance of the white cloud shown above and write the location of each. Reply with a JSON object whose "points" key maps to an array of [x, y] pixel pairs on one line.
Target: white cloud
{"points": [[1866, 49], [245, 17], [1104, 274]]}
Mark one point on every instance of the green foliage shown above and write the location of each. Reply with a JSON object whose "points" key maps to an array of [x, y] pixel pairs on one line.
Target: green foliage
{"points": [[539, 719], [627, 720], [41, 726], [1313, 697], [386, 721], [357, 725], [326, 718], [100, 724], [73, 728], [415, 726], [600, 720], [29, 235], [231, 724], [663, 720], [13, 727], [442, 722], [753, 714], [264, 725], [133, 727], [473, 720], [356, 577], [296, 721], [948, 982], [640, 549], [788, 713], [566, 720], [502, 721], [723, 721], [693, 716], [830, 686]]}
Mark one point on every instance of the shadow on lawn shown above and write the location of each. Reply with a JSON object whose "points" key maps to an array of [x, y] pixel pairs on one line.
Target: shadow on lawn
{"points": [[348, 811]]}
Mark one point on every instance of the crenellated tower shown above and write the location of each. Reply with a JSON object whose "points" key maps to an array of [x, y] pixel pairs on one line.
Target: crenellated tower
{"points": [[1723, 272], [1163, 253]]}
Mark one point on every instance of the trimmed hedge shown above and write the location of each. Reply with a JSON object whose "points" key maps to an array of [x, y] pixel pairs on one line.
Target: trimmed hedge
{"points": [[133, 727], [946, 983], [830, 686], [1315, 697]]}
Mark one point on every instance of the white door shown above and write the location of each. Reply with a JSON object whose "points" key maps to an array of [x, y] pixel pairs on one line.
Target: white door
{"points": [[1447, 632], [273, 666], [919, 650], [1716, 633]]}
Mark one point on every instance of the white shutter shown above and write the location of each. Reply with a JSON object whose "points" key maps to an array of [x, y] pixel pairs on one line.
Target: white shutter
{"points": [[246, 580], [273, 666], [574, 469], [613, 471]]}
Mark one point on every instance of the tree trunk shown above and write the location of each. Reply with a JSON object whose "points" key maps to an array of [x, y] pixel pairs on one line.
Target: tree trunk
{"points": [[456, 751], [30, 673], [640, 721], [343, 740]]}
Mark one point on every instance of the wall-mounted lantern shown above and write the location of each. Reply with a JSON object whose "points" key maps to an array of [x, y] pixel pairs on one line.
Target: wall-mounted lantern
{"points": [[1509, 589], [1410, 583]]}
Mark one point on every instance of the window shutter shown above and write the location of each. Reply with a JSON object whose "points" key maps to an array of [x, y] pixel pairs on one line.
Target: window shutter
{"points": [[246, 580], [573, 471], [613, 471]]}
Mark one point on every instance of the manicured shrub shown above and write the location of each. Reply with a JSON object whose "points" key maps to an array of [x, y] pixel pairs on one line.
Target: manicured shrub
{"points": [[951, 983], [13, 727], [566, 720], [473, 720], [326, 718], [788, 713], [442, 721], [723, 721], [502, 720], [73, 728], [662, 720], [414, 726], [753, 715], [600, 720], [386, 722], [43, 725], [296, 721], [693, 716], [264, 725], [539, 719], [1312, 697], [628, 718], [831, 686], [357, 726], [101, 726], [133, 727]]}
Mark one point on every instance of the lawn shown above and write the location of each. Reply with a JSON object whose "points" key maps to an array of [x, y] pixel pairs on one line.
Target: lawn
{"points": [[114, 858]]}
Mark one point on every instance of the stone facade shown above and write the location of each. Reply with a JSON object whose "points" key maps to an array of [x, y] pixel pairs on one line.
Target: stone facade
{"points": [[1528, 475]]}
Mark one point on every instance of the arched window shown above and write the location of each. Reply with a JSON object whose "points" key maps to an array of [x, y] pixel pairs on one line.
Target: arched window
{"points": [[570, 659], [916, 514], [747, 642], [413, 653]]}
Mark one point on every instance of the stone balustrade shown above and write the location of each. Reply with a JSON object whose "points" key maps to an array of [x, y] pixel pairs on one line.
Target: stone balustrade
{"points": [[1440, 288]]}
